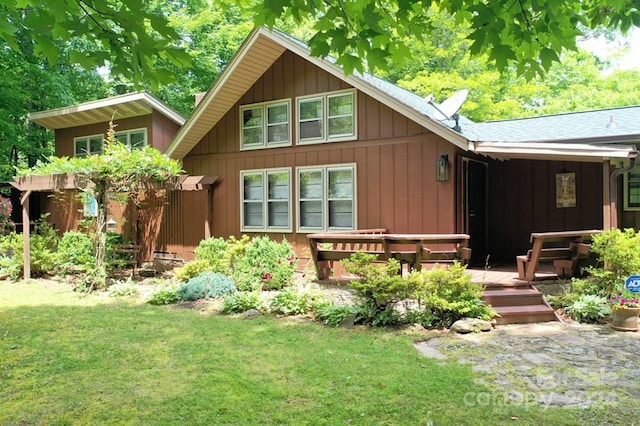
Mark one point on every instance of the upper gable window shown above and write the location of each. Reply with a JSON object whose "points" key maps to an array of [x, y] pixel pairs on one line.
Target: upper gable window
{"points": [[134, 139], [88, 145], [265, 125], [327, 117]]}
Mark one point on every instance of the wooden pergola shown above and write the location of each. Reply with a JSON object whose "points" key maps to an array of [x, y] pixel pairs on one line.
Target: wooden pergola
{"points": [[68, 181]]}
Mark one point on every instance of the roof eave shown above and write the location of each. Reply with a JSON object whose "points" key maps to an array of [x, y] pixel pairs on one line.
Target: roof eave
{"points": [[46, 118], [552, 151]]}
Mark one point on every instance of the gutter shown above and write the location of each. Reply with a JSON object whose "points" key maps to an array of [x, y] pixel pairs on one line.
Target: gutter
{"points": [[613, 187]]}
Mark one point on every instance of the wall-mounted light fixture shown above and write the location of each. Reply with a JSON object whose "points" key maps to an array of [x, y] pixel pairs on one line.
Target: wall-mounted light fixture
{"points": [[111, 224], [442, 168]]}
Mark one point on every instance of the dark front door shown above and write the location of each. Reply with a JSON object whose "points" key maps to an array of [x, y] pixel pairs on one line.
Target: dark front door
{"points": [[475, 208]]}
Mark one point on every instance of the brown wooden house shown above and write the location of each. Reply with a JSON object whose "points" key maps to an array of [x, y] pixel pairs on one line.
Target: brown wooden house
{"points": [[300, 148]]}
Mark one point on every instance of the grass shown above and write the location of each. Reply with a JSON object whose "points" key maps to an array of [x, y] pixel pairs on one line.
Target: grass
{"points": [[72, 359]]}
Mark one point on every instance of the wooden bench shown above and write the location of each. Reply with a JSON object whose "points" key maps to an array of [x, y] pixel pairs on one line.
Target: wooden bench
{"points": [[564, 249], [408, 249], [327, 248], [127, 256]]}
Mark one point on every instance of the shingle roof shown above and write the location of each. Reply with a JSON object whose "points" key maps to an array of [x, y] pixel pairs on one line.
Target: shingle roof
{"points": [[606, 125]]}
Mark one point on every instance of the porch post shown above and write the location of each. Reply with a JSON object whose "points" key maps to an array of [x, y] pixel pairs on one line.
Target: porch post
{"points": [[207, 215], [606, 196], [26, 230]]}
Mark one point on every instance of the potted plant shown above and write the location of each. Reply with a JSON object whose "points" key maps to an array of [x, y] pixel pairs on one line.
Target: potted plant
{"points": [[625, 308]]}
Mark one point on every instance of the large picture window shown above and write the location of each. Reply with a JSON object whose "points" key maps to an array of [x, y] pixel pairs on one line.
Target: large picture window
{"points": [[632, 189], [327, 117], [88, 145], [266, 200], [326, 198], [265, 125]]}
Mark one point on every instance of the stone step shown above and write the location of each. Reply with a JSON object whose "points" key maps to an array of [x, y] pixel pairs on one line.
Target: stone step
{"points": [[512, 297], [524, 314]]}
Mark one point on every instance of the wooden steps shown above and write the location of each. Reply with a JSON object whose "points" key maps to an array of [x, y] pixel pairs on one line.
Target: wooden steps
{"points": [[518, 304]]}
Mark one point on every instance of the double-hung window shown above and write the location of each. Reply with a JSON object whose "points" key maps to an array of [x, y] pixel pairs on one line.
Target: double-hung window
{"points": [[326, 198], [266, 200], [134, 139], [632, 189], [327, 117], [88, 145], [265, 125]]}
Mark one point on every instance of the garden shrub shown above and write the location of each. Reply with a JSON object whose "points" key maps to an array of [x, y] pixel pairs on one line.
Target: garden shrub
{"points": [[333, 315], [265, 264], [6, 225], [192, 269], [294, 301], [450, 295], [76, 252], [589, 308], [378, 288], [214, 252], [123, 288], [208, 284], [619, 256], [43, 245], [241, 301], [164, 294]]}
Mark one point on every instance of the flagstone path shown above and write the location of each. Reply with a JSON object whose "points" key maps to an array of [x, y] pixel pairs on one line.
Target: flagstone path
{"points": [[548, 364]]}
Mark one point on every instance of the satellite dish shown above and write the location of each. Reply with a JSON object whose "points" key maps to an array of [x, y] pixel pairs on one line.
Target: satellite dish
{"points": [[448, 109]]}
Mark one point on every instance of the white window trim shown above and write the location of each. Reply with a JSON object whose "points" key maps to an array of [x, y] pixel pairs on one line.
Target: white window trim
{"points": [[265, 201], [128, 133], [265, 125], [87, 138], [627, 207], [326, 138], [325, 197]]}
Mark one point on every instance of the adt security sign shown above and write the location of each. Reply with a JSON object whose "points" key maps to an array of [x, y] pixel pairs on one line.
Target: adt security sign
{"points": [[633, 283]]}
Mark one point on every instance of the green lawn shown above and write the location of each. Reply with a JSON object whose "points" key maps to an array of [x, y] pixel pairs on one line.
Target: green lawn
{"points": [[72, 359]]}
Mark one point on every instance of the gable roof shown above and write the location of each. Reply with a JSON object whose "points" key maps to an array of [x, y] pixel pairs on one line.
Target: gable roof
{"points": [[574, 135], [117, 107], [256, 55]]}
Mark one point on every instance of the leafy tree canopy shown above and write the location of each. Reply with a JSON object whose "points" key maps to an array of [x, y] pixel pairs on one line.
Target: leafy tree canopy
{"points": [[126, 35], [530, 34]]}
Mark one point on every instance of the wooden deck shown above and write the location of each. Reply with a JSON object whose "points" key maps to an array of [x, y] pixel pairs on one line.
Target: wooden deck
{"points": [[507, 276]]}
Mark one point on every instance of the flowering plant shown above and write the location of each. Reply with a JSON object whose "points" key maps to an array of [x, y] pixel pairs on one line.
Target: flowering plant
{"points": [[624, 300]]}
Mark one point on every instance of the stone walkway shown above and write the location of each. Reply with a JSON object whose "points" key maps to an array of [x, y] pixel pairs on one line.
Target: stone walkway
{"points": [[548, 364]]}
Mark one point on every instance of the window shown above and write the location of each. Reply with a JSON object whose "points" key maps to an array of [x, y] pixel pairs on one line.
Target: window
{"points": [[632, 189], [89, 205], [265, 125], [326, 198], [266, 200], [328, 117], [134, 139], [88, 145]]}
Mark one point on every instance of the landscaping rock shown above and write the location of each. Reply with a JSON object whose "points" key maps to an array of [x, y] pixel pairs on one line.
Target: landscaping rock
{"points": [[252, 313], [471, 325]]}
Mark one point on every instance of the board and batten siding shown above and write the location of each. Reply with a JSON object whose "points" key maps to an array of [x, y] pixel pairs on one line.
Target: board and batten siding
{"points": [[395, 159], [523, 200]]}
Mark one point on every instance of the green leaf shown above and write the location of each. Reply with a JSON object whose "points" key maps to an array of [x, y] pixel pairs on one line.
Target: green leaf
{"points": [[548, 57]]}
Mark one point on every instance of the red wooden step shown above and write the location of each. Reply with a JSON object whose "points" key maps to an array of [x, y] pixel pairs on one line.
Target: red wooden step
{"points": [[512, 297], [524, 314]]}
